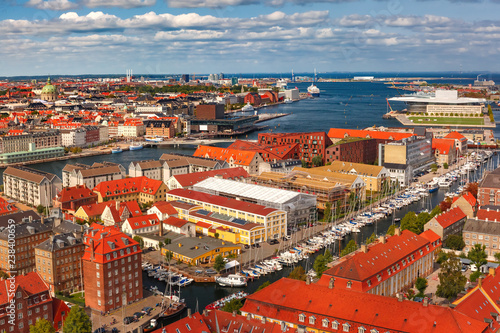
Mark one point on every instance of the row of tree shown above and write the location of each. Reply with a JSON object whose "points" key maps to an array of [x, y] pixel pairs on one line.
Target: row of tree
{"points": [[77, 321]]}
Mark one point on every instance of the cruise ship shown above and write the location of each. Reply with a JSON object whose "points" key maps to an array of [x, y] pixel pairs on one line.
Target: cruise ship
{"points": [[313, 90]]}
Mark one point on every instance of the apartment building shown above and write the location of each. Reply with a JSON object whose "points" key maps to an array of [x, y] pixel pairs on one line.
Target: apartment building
{"points": [[273, 220], [483, 232], [489, 189], [140, 189], [58, 261], [111, 268], [31, 186], [248, 160], [182, 164], [160, 128], [448, 223], [151, 168], [387, 266], [190, 179], [82, 174], [18, 143], [71, 198]]}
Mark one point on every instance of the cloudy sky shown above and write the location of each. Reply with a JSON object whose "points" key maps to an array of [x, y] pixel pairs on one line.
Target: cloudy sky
{"points": [[39, 37]]}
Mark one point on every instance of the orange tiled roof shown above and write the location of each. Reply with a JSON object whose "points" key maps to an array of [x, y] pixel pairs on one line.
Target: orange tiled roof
{"points": [[190, 179], [455, 135], [450, 217], [443, 145], [339, 133], [118, 187], [238, 157]]}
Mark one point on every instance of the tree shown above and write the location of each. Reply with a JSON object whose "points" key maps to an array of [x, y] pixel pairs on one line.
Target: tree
{"points": [[3, 275], [77, 321], [472, 189], [42, 326], [454, 242], [434, 167], [219, 263], [477, 255], [168, 256], [139, 240], [371, 239], [216, 235], [167, 241], [497, 256], [445, 204], [436, 211], [421, 285], [328, 256], [451, 279], [262, 286], [304, 164], [327, 212], [350, 247], [41, 209], [319, 265], [409, 222], [391, 230], [233, 305], [445, 165], [422, 219], [298, 273], [317, 160]]}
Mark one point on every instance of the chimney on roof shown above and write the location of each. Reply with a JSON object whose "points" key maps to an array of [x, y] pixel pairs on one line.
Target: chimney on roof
{"points": [[30, 218], [308, 280], [364, 248], [160, 230], [480, 282], [117, 205], [189, 312], [205, 312], [486, 219], [249, 316], [381, 239], [425, 302], [234, 313], [488, 209], [397, 232], [492, 271], [331, 283], [92, 257], [263, 320], [400, 297]]}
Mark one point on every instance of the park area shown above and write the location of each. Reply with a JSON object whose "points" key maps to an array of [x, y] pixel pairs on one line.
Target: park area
{"points": [[447, 120]]}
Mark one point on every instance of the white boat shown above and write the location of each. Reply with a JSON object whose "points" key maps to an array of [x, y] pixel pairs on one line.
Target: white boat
{"points": [[157, 139], [137, 146], [247, 107], [232, 280], [313, 90], [288, 101], [444, 183], [116, 150]]}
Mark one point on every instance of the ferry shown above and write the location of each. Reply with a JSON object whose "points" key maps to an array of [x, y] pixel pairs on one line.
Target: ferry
{"points": [[157, 139], [247, 107], [136, 146], [151, 327], [232, 280], [313, 90], [116, 150]]}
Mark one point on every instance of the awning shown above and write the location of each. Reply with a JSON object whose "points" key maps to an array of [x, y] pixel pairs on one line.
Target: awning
{"points": [[231, 264]]}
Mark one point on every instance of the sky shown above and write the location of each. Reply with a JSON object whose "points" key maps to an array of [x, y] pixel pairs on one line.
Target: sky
{"points": [[152, 37]]}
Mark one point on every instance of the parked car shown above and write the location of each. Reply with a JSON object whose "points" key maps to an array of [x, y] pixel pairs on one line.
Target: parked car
{"points": [[464, 268], [473, 268], [100, 330], [114, 330], [138, 315], [128, 320], [210, 271], [147, 310], [247, 246]]}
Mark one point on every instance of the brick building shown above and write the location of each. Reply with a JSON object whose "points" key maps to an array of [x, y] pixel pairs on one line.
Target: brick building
{"points": [[32, 302], [92, 135], [58, 261], [253, 98], [387, 266], [311, 144], [140, 189], [448, 223], [162, 128], [71, 198], [111, 268], [357, 150], [210, 111], [489, 189]]}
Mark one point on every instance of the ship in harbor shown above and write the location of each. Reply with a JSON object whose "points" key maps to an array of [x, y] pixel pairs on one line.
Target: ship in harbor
{"points": [[313, 90]]}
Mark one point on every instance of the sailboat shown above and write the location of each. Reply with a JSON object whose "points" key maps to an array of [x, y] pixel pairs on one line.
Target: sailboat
{"points": [[175, 304]]}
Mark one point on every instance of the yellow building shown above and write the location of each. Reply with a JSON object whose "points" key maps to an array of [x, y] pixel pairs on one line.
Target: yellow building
{"points": [[226, 228], [272, 220], [140, 189], [200, 250]]}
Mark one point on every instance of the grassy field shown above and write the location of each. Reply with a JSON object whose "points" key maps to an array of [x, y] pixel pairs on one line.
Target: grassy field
{"points": [[76, 298], [447, 120]]}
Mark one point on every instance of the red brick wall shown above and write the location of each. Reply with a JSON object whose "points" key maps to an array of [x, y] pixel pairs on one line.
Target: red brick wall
{"points": [[44, 309]]}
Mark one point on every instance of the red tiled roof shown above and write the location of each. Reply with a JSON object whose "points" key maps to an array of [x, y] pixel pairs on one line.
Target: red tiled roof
{"points": [[75, 193], [144, 221], [175, 221], [455, 135], [107, 240], [31, 284], [128, 185], [58, 307], [203, 225], [443, 145], [226, 322], [339, 133], [431, 236], [488, 214], [165, 208], [97, 208], [133, 207], [186, 325], [286, 299], [222, 201], [6, 208], [360, 266], [469, 197], [238, 157], [190, 179], [450, 217]]}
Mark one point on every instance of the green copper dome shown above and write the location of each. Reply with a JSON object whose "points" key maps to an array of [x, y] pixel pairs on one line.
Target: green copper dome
{"points": [[49, 88]]}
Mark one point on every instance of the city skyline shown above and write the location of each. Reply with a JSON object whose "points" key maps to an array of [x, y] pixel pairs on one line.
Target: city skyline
{"points": [[153, 37]]}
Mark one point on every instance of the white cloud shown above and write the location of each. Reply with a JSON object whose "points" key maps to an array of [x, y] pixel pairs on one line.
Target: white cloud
{"points": [[119, 3], [59, 5]]}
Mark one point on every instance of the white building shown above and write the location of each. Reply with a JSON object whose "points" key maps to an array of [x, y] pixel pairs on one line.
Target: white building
{"points": [[80, 174], [103, 134], [74, 138], [150, 168], [131, 129], [31, 186]]}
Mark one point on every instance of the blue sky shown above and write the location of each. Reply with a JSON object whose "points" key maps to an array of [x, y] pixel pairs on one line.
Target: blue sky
{"points": [[39, 37]]}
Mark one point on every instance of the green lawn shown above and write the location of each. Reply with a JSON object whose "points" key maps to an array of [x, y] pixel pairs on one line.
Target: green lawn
{"points": [[76, 298], [448, 120]]}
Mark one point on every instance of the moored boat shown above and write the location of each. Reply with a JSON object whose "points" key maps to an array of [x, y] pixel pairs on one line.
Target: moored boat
{"points": [[116, 150], [221, 302], [137, 146], [232, 280]]}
